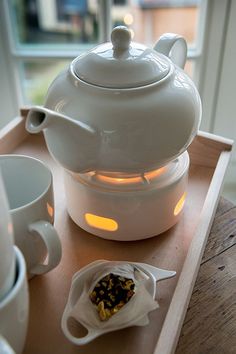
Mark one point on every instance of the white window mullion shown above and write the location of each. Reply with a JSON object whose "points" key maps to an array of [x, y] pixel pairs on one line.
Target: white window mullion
{"points": [[40, 53], [11, 98], [213, 47], [225, 115], [104, 20], [197, 53]]}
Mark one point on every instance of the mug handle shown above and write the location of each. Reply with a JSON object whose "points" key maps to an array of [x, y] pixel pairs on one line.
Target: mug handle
{"points": [[173, 46], [5, 348], [52, 242]]}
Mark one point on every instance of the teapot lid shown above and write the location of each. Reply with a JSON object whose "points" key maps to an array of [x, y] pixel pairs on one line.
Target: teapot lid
{"points": [[121, 63]]}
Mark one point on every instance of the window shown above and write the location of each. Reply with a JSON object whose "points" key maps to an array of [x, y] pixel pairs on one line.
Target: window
{"points": [[42, 37], [38, 38]]}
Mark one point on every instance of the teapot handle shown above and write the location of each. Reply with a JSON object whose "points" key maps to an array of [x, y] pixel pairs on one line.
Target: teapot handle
{"points": [[173, 46]]}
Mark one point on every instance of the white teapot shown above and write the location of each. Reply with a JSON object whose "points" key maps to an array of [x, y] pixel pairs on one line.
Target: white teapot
{"points": [[121, 107]]}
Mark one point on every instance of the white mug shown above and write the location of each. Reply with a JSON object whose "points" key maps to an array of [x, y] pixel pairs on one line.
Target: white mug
{"points": [[14, 311], [29, 188], [7, 254]]}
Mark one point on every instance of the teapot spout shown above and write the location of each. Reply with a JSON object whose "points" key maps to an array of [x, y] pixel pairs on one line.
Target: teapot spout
{"points": [[72, 143], [38, 119]]}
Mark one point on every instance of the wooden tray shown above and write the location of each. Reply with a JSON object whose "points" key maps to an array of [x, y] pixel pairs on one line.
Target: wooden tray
{"points": [[180, 249]]}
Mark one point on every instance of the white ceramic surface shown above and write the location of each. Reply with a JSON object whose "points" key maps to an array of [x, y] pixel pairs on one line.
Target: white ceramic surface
{"points": [[121, 63], [121, 107], [7, 254], [29, 189], [138, 210], [85, 274], [5, 348], [14, 311]]}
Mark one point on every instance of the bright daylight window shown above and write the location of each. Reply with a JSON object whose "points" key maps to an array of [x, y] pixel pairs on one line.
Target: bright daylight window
{"points": [[45, 35]]}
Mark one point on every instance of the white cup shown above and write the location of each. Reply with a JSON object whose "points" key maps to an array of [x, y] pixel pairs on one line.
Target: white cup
{"points": [[7, 254], [14, 311], [29, 188]]}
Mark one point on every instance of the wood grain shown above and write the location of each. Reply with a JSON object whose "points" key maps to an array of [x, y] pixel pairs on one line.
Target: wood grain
{"points": [[206, 148], [178, 307], [209, 326], [223, 233]]}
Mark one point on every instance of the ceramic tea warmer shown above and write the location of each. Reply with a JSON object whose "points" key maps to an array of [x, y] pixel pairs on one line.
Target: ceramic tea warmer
{"points": [[119, 121]]}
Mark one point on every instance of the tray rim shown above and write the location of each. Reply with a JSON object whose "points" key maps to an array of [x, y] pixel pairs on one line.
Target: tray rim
{"points": [[14, 133], [171, 329], [169, 335]]}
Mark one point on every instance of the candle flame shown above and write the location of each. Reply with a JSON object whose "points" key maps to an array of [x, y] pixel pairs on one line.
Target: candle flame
{"points": [[148, 176], [50, 210], [179, 206], [101, 222]]}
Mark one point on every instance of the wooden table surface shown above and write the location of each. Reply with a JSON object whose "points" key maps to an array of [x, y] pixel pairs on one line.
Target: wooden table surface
{"points": [[210, 322]]}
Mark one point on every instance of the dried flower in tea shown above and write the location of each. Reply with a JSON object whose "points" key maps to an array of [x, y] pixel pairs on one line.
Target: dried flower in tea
{"points": [[111, 293]]}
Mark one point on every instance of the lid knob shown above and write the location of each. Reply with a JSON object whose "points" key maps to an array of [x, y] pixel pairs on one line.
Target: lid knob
{"points": [[120, 38], [121, 63]]}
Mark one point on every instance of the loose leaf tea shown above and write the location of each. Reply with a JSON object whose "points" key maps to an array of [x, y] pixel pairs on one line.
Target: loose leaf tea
{"points": [[111, 293]]}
